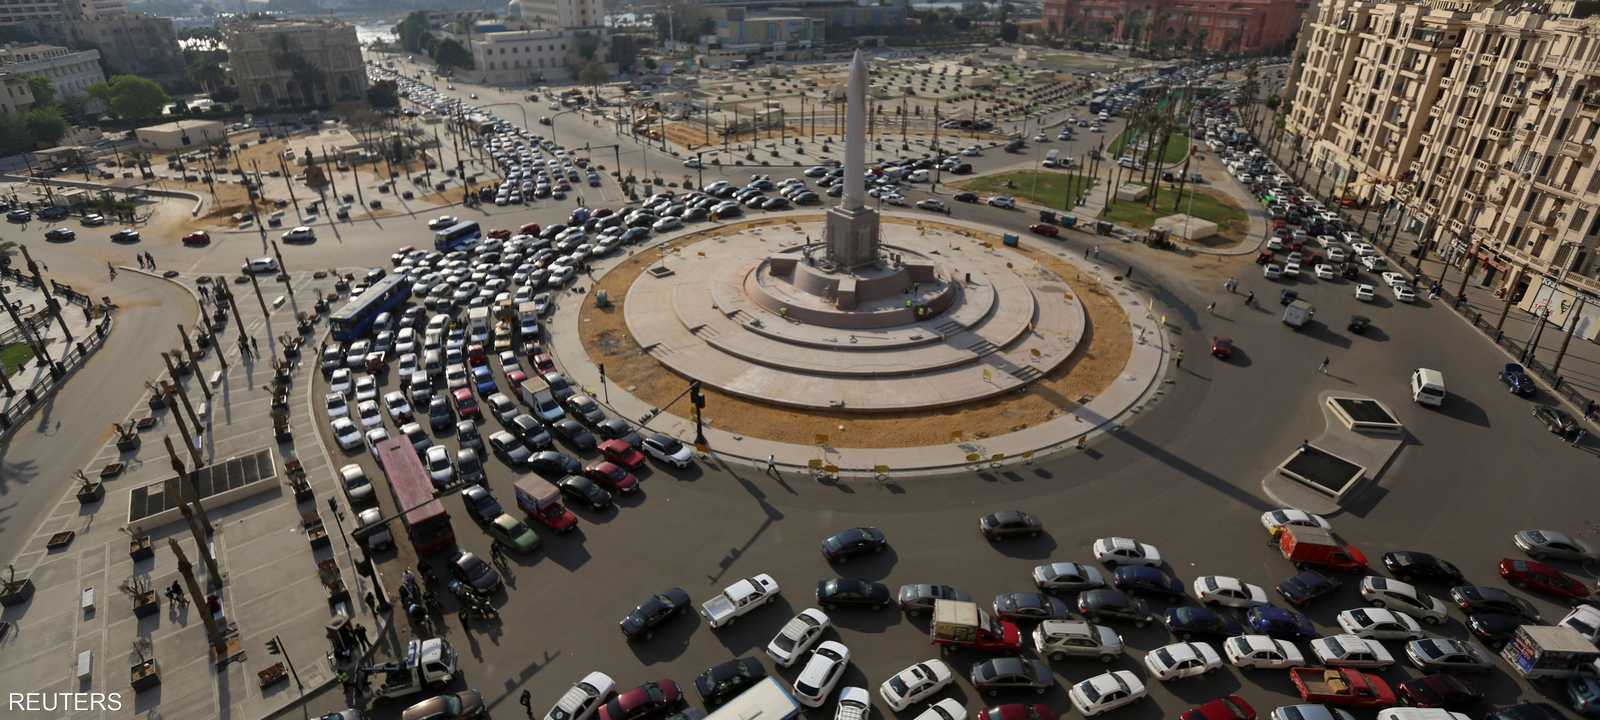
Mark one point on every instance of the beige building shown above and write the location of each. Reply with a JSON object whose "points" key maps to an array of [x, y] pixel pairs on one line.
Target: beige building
{"points": [[295, 63], [71, 72], [19, 11], [521, 57], [129, 43], [15, 97], [1476, 124], [180, 135], [562, 14]]}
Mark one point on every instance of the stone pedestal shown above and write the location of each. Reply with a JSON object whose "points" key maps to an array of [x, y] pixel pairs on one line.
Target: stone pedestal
{"points": [[852, 237]]}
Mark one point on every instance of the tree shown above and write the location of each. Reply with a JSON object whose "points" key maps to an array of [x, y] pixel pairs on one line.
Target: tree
{"points": [[651, 64], [46, 125], [594, 74], [130, 96], [383, 94], [209, 75], [451, 53], [14, 135], [413, 32], [587, 44], [44, 91]]}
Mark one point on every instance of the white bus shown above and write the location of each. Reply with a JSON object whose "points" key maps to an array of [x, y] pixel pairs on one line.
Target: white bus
{"points": [[765, 700]]}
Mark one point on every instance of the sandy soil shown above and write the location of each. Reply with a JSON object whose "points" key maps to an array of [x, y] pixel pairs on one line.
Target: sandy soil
{"points": [[1097, 362]]}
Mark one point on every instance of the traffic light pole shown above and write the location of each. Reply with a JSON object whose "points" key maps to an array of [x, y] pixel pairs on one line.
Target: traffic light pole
{"points": [[698, 400]]}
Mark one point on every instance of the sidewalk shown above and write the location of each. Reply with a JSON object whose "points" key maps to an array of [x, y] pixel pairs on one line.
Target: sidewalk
{"points": [[49, 333]]}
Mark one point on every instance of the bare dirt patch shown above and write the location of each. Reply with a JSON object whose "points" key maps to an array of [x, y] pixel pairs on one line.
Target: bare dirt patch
{"points": [[1093, 366]]}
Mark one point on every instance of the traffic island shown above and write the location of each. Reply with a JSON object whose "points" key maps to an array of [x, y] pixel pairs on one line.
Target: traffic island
{"points": [[1322, 471], [1364, 414], [1323, 475]]}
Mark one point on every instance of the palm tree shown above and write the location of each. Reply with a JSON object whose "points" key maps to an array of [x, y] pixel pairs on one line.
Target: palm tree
{"points": [[8, 248], [209, 76]]}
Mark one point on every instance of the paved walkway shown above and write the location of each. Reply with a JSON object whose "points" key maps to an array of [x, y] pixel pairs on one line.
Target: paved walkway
{"points": [[32, 301]]}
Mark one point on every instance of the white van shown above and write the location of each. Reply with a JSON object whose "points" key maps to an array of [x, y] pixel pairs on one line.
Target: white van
{"points": [[432, 363], [1427, 387], [1052, 158]]}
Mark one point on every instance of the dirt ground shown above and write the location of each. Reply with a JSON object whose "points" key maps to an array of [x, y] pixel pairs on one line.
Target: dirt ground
{"points": [[1093, 366]]}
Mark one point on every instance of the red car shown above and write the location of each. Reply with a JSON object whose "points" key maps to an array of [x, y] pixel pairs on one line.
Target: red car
{"points": [[499, 234], [529, 229], [621, 453], [1438, 690], [544, 363], [466, 405], [198, 237], [1231, 707], [1018, 711], [1222, 347], [515, 378], [612, 477], [1263, 257], [1043, 229], [1539, 577], [476, 355], [647, 700]]}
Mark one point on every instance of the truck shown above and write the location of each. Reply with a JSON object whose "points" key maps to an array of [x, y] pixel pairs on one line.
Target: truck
{"points": [[428, 665], [478, 323], [541, 500], [738, 599], [1549, 652], [1347, 687], [962, 624], [765, 700], [1316, 547], [1298, 313]]}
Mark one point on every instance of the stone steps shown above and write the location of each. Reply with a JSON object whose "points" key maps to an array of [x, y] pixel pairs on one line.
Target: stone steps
{"points": [[983, 348]]}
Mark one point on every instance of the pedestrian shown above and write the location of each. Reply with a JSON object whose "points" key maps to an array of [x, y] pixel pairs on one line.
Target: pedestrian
{"points": [[255, 347], [1212, 307], [1130, 272], [465, 616], [1589, 410], [1577, 439], [111, 269], [1323, 367], [497, 554], [361, 636], [152, 260], [1250, 299], [372, 602], [772, 463], [140, 258], [1305, 446], [1179, 359]]}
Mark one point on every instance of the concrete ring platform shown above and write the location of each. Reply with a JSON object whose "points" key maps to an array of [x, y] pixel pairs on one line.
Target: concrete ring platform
{"points": [[975, 322]]}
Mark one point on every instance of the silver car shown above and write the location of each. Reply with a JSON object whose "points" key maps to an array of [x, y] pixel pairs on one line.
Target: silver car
{"points": [[1444, 654], [1067, 577], [1540, 544]]}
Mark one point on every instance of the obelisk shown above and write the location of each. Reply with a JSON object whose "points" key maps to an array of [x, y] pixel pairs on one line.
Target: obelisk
{"points": [[852, 230]]}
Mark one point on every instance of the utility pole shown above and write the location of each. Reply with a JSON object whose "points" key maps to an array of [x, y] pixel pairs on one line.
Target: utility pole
{"points": [[171, 400], [256, 284], [194, 361], [219, 646], [283, 271], [1572, 327], [183, 394]]}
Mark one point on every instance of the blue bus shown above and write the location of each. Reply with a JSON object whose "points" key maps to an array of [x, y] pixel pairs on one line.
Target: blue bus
{"points": [[457, 235], [354, 319]]}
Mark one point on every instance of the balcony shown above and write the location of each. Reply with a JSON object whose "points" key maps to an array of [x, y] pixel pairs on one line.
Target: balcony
{"points": [[1456, 226], [1462, 121], [1474, 90], [1591, 99], [1458, 53], [1522, 67], [1446, 81], [1496, 135], [1509, 101], [1451, 151], [1578, 151], [1482, 166]]}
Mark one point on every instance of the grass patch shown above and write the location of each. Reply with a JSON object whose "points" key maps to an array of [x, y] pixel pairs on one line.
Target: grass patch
{"points": [[12, 357], [1050, 189], [1232, 222], [1177, 145]]}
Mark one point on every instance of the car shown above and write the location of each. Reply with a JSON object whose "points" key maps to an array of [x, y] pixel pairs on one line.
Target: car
{"points": [[1291, 269], [509, 449], [584, 490], [1516, 380], [1190, 622], [1272, 271], [583, 698], [575, 434], [1003, 201], [724, 681], [918, 599], [357, 488], [474, 572], [641, 623], [1146, 580], [1542, 544], [1029, 606], [1106, 692], [932, 205], [1277, 622], [1114, 551], [1392, 278], [821, 673], [797, 636], [346, 433], [1379, 624], [442, 222], [1009, 523], [450, 706], [647, 700], [966, 197], [1324, 271], [946, 709], [1276, 520], [1230, 707], [1403, 293], [482, 507], [1222, 347], [1431, 654], [1383, 592], [1412, 566], [1043, 229], [553, 464], [1261, 652], [336, 405], [1494, 629], [439, 414], [197, 238], [1542, 578], [60, 234], [1313, 712], [619, 452], [512, 533], [300, 234], [1365, 292], [854, 542], [915, 684], [612, 477], [399, 410], [1005, 673], [1583, 692], [1525, 711], [1351, 651], [125, 235], [1482, 599], [1225, 591], [253, 266], [366, 388], [1181, 660], [1438, 690], [1102, 605], [373, 438], [1306, 586], [668, 450], [440, 469], [1585, 619], [1557, 421], [853, 591], [1067, 577]]}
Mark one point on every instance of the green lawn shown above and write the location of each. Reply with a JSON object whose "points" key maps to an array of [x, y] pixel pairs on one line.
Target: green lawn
{"points": [[1047, 188], [13, 356], [1232, 222], [1177, 145]]}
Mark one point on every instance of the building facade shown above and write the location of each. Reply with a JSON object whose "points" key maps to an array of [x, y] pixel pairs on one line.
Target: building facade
{"points": [[1473, 124], [522, 57], [295, 63], [180, 135], [71, 72], [15, 96], [129, 43], [21, 11], [559, 14], [1231, 27], [737, 27]]}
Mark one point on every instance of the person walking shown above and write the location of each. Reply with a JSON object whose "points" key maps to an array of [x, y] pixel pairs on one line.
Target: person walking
{"points": [[1323, 366], [361, 636], [1589, 410], [1179, 359], [1250, 299], [255, 347], [772, 463], [1130, 272], [111, 270], [1212, 307], [497, 554], [1577, 438]]}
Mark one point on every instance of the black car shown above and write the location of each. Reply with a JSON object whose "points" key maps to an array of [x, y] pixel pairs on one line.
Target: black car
{"points": [[475, 573], [1017, 606], [1306, 586], [991, 676], [584, 490], [1186, 623], [551, 463], [1494, 629], [440, 416], [1439, 690], [509, 449], [469, 469], [125, 235], [1143, 580], [852, 591], [1008, 523], [1516, 380], [619, 429], [530, 431], [59, 235], [967, 197], [1482, 599], [1414, 566], [724, 681], [575, 434], [1103, 605], [919, 598], [853, 542], [1359, 324], [481, 505], [467, 435], [1525, 711], [641, 623], [1557, 421]]}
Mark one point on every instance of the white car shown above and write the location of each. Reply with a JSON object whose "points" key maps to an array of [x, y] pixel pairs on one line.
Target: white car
{"points": [[442, 222], [1351, 651], [1379, 624], [300, 234], [1403, 294], [1324, 271], [375, 437], [669, 450], [378, 539], [1586, 620], [1106, 691], [357, 488], [1403, 597], [946, 709], [582, 699], [1311, 712], [1337, 254], [1274, 520], [1274, 243], [339, 381], [1181, 660], [366, 388], [1271, 271], [1412, 713], [1365, 293], [1003, 201], [399, 410], [797, 636], [821, 673], [1228, 591], [1114, 551], [369, 414], [1392, 278], [855, 703], [1260, 652], [259, 265], [440, 469], [915, 683], [346, 433], [1067, 577], [338, 406]]}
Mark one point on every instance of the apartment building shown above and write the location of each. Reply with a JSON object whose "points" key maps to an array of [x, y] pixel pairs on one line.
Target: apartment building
{"points": [[15, 96], [71, 72], [562, 14], [1476, 124], [273, 59], [20, 11], [1239, 26], [521, 57]]}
